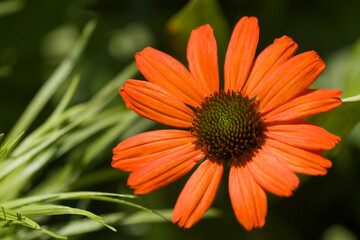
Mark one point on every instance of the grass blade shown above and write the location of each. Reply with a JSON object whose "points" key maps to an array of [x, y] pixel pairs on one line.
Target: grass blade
{"points": [[53, 82], [11, 217], [52, 209], [62, 196]]}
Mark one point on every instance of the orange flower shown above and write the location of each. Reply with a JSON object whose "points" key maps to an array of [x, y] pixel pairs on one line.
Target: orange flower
{"points": [[254, 125]]}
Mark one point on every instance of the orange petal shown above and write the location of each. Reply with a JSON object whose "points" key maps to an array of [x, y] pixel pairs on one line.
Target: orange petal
{"points": [[164, 170], [272, 174], [146, 147], [299, 160], [267, 62], [198, 194], [290, 80], [155, 103], [303, 134], [240, 53], [313, 101], [165, 71], [248, 199], [202, 57]]}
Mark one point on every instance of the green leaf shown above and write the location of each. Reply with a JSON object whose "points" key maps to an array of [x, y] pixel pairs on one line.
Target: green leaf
{"points": [[107, 93], [352, 99], [12, 185], [66, 196], [124, 122], [67, 129], [53, 82], [60, 108], [98, 123], [16, 161], [10, 217], [36, 210], [56, 181], [83, 226], [9, 145]]}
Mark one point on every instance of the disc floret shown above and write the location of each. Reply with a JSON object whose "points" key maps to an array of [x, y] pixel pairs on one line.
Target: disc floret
{"points": [[227, 125]]}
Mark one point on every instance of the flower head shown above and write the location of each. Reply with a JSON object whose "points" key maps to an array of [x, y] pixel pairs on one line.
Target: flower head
{"points": [[254, 125]]}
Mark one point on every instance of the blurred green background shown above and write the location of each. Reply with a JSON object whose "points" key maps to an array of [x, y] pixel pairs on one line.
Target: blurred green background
{"points": [[36, 35]]}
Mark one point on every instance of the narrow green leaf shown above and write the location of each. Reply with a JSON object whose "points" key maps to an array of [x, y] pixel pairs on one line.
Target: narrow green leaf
{"points": [[36, 210], [15, 161], [11, 217], [107, 93], [73, 116], [91, 127], [82, 226], [60, 108], [9, 145], [3, 149], [12, 185], [52, 234], [352, 99], [53, 82], [124, 122], [56, 181], [109, 197], [62, 196], [138, 126]]}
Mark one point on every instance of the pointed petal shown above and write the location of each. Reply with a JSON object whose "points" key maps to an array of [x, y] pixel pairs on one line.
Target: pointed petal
{"points": [[164, 170], [165, 71], [155, 103], [299, 160], [267, 62], [272, 174], [143, 148], [313, 101], [202, 57], [303, 134], [248, 199], [198, 194], [290, 80], [240, 54]]}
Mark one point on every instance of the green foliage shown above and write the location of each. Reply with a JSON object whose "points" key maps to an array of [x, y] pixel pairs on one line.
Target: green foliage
{"points": [[10, 218], [64, 131]]}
